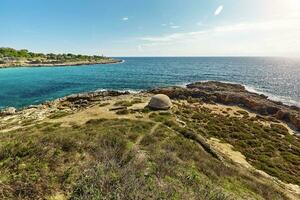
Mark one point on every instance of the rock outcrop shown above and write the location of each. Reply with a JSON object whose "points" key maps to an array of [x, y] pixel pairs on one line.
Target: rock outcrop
{"points": [[210, 92], [8, 111], [76, 101], [234, 94]]}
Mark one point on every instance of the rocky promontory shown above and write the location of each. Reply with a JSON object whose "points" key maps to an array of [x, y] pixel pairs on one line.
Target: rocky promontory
{"points": [[235, 94], [207, 141], [208, 92]]}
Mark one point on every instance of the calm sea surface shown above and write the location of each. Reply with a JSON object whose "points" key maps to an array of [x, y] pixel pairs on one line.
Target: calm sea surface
{"points": [[279, 78]]}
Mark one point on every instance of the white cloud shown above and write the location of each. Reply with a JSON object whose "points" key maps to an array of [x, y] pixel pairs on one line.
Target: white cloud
{"points": [[175, 27], [219, 10], [273, 37], [166, 38], [125, 18], [171, 25]]}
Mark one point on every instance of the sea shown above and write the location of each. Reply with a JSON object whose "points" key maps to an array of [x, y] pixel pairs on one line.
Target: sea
{"points": [[278, 78]]}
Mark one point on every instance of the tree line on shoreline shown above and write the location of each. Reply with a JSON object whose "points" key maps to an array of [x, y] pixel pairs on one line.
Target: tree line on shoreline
{"points": [[12, 55]]}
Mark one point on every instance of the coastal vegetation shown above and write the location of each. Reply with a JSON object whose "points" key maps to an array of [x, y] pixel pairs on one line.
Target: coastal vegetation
{"points": [[10, 57], [120, 159], [110, 145], [269, 147]]}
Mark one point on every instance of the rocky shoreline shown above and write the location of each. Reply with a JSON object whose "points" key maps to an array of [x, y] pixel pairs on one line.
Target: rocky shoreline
{"points": [[233, 128], [235, 94], [53, 64], [208, 92]]}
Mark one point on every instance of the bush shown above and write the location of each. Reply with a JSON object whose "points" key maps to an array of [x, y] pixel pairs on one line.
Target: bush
{"points": [[123, 112]]}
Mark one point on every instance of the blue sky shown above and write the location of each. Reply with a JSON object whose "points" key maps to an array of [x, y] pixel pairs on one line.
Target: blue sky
{"points": [[153, 27]]}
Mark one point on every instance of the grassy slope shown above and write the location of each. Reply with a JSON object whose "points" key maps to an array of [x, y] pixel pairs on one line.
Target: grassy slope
{"points": [[130, 159], [269, 148]]}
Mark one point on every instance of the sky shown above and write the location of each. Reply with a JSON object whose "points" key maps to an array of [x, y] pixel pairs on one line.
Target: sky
{"points": [[153, 27]]}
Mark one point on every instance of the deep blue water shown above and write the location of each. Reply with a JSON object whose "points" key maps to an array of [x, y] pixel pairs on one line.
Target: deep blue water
{"points": [[277, 77]]}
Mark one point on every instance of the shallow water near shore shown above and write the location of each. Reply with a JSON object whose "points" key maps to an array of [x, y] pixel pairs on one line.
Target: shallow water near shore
{"points": [[279, 78]]}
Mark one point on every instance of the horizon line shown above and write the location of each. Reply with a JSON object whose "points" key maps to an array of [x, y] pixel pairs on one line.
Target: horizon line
{"points": [[205, 56]]}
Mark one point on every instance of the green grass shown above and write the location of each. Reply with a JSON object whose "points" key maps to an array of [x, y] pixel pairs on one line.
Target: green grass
{"points": [[35, 162], [59, 114], [126, 103], [102, 160], [123, 112], [242, 112], [104, 104], [271, 149], [160, 116]]}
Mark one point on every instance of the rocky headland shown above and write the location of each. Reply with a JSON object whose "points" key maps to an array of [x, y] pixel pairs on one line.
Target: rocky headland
{"points": [[235, 94], [212, 141]]}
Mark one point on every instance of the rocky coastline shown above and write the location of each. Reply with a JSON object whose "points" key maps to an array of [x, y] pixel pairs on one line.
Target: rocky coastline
{"points": [[59, 64], [208, 92], [237, 135], [235, 94]]}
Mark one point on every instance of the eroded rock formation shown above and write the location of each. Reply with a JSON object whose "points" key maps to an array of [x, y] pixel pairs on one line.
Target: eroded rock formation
{"points": [[234, 94]]}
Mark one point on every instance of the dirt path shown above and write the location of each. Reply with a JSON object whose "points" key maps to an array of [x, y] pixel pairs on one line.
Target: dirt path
{"points": [[154, 128], [140, 138], [238, 158], [228, 151]]}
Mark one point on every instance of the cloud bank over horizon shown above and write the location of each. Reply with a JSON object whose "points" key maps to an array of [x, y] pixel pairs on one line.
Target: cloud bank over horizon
{"points": [[277, 35]]}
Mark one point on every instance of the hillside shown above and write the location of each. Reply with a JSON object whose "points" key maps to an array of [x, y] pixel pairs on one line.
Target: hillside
{"points": [[22, 58], [110, 145]]}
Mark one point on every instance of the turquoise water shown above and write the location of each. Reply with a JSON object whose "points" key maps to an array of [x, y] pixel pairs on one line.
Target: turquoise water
{"points": [[277, 77]]}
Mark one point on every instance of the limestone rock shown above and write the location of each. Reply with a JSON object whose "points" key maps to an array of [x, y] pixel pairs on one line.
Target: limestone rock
{"points": [[234, 94], [8, 111]]}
